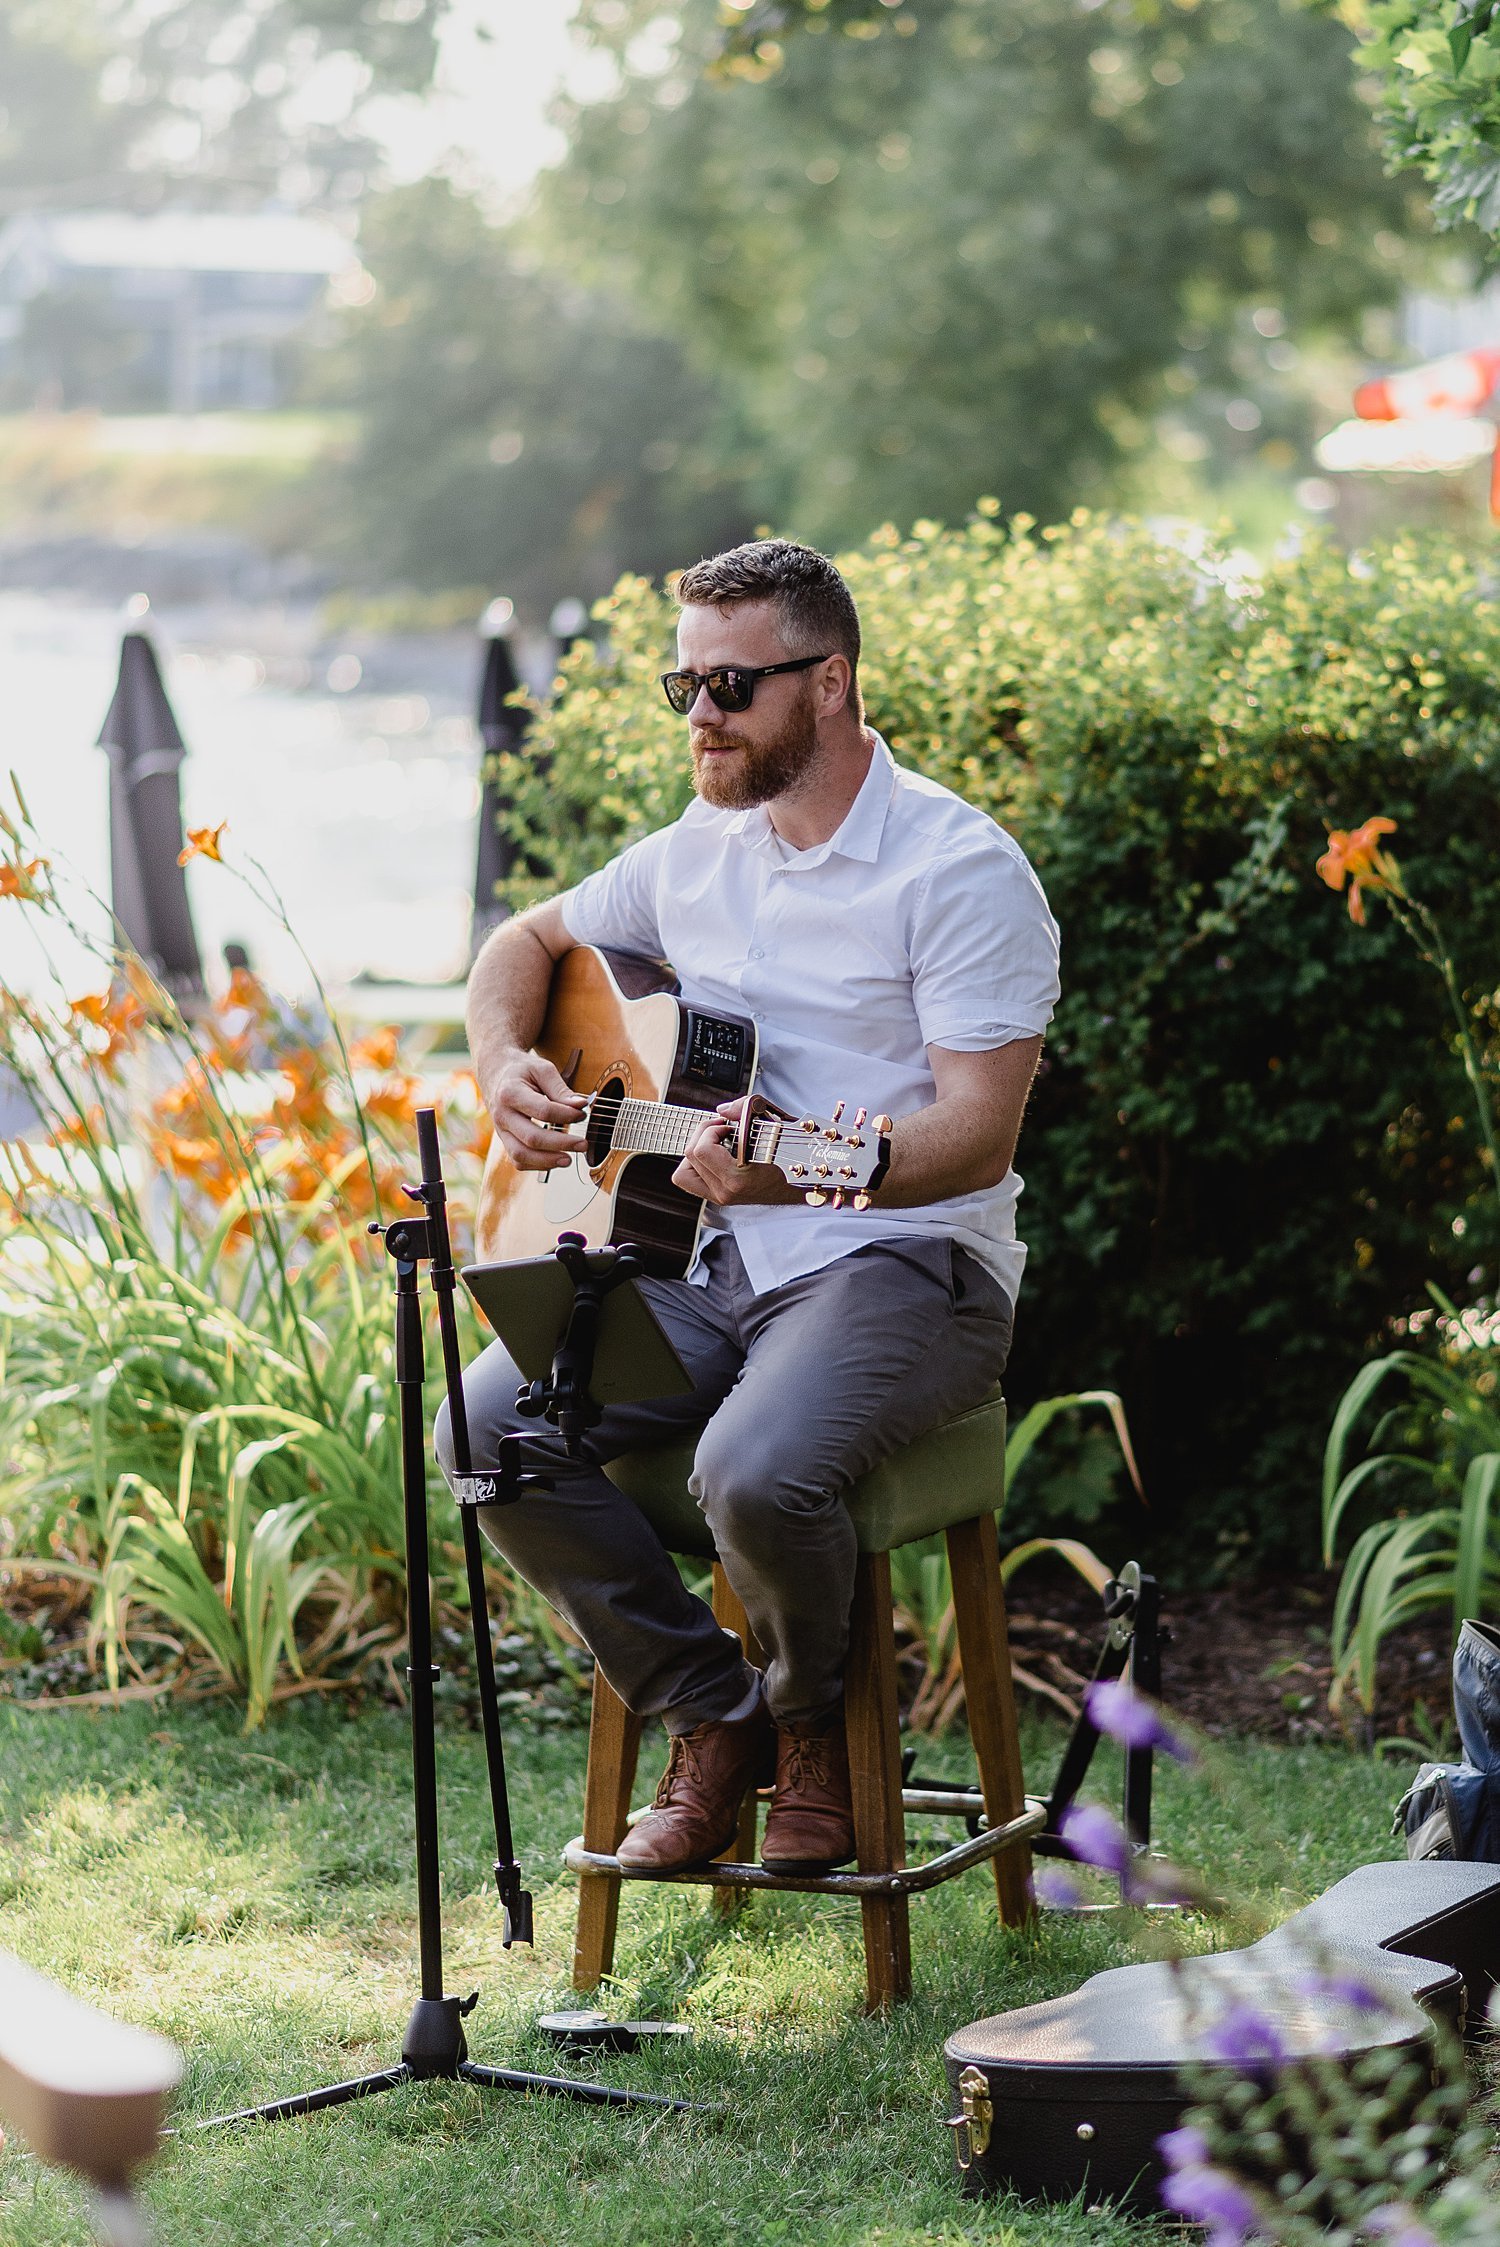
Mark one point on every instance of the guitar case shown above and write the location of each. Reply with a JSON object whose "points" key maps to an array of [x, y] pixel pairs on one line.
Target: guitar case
{"points": [[1072, 2094]]}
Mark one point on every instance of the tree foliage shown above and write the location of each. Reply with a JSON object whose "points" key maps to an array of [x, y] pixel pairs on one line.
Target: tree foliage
{"points": [[516, 431], [975, 256], [1250, 1147], [1440, 67], [105, 104]]}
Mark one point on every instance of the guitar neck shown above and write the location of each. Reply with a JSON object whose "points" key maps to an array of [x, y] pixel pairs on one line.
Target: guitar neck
{"points": [[656, 1127]]}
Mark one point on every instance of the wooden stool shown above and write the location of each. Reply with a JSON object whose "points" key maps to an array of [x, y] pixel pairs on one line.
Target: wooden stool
{"points": [[953, 1480]]}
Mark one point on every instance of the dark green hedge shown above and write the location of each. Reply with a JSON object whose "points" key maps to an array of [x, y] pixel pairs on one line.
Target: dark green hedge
{"points": [[1251, 1144]]}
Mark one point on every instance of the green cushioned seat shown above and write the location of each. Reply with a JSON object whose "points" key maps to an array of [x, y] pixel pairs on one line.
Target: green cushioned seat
{"points": [[947, 1476]]}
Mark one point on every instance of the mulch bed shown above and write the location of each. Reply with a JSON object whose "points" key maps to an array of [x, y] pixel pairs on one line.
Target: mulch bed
{"points": [[1250, 1658], [1246, 1659]]}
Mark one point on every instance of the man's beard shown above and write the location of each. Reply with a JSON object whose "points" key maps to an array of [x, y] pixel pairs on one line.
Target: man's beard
{"points": [[761, 769]]}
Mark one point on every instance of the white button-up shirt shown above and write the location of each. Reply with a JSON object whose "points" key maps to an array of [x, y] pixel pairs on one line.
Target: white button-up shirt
{"points": [[919, 923]]}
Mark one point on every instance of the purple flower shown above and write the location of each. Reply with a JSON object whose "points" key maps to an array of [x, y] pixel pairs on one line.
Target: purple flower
{"points": [[1059, 1889], [1095, 1838], [1129, 1717], [1342, 1989], [1398, 2227], [1153, 1880], [1186, 2148], [1244, 2037], [1208, 2196]]}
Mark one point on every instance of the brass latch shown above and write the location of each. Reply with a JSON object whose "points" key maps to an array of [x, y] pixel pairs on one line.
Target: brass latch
{"points": [[971, 2129]]}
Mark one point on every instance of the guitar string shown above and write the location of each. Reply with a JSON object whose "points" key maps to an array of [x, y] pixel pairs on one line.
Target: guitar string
{"points": [[666, 1128]]}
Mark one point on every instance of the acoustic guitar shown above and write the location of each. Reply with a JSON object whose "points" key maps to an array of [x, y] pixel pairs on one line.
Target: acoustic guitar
{"points": [[648, 1067]]}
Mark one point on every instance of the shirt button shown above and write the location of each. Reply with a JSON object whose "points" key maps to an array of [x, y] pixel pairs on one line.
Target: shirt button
{"points": [[758, 953]]}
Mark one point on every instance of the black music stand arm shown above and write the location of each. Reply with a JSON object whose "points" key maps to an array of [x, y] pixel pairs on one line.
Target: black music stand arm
{"points": [[514, 1898]]}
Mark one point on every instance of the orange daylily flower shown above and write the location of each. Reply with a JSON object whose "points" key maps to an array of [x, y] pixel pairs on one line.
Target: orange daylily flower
{"points": [[192, 1156], [118, 1013], [1355, 856], [78, 1131], [245, 990], [203, 842], [18, 878], [377, 1051], [394, 1101]]}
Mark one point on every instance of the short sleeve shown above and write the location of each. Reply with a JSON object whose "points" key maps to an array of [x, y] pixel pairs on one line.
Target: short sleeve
{"points": [[617, 906], [984, 952]]}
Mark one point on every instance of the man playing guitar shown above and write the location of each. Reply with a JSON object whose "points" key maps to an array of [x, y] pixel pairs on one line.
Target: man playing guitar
{"points": [[893, 947]]}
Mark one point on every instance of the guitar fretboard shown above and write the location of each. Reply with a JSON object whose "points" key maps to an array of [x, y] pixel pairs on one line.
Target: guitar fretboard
{"points": [[651, 1127]]}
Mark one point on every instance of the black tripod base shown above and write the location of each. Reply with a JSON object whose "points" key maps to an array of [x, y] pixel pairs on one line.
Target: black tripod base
{"points": [[434, 2049]]}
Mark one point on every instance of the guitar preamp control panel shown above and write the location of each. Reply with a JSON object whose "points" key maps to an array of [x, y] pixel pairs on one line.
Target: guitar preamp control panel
{"points": [[718, 1052]]}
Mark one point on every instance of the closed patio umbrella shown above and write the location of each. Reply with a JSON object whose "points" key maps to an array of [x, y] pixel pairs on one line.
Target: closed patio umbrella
{"points": [[148, 889], [501, 726]]}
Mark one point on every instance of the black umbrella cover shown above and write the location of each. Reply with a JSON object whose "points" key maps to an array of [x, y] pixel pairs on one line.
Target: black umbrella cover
{"points": [[148, 887], [500, 727]]}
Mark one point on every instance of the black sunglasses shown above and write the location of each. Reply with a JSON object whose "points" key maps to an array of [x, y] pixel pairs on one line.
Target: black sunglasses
{"points": [[731, 687]]}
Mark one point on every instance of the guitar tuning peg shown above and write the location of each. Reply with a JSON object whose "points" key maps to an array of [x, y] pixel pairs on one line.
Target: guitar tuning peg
{"points": [[846, 1170], [808, 1123], [861, 1201], [816, 1198], [838, 1109], [859, 1117], [882, 1123], [838, 1197]]}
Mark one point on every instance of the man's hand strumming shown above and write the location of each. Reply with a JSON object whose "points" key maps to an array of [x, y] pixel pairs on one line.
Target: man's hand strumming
{"points": [[525, 1098]]}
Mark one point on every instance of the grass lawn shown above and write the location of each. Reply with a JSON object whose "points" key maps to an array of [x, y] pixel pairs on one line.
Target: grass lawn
{"points": [[250, 1897]]}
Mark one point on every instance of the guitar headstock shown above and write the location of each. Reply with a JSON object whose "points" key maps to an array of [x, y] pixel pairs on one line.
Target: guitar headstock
{"points": [[834, 1162]]}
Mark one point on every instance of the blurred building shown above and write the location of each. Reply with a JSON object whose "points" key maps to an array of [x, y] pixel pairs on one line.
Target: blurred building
{"points": [[1433, 326], [182, 311]]}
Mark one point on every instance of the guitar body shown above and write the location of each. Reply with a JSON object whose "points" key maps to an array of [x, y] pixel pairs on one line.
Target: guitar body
{"points": [[615, 1027]]}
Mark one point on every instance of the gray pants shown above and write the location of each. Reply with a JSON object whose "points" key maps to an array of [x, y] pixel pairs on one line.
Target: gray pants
{"points": [[797, 1393]]}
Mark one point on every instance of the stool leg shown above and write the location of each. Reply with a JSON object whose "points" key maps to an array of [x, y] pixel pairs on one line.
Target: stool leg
{"points": [[870, 1719], [984, 1652], [741, 1851], [614, 1745]]}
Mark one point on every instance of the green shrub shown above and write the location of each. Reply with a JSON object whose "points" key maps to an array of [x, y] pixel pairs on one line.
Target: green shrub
{"points": [[1250, 1146]]}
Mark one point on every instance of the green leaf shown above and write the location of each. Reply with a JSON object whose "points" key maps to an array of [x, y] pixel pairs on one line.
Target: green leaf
{"points": [[1474, 1518]]}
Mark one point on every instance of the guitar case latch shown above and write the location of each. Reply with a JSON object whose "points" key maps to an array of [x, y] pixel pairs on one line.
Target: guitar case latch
{"points": [[972, 2126]]}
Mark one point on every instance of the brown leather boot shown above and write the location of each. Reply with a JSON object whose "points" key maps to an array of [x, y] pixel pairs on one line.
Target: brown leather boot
{"points": [[810, 1827], [697, 1807]]}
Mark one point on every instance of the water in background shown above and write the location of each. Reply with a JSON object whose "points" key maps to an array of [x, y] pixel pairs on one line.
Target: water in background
{"points": [[351, 773]]}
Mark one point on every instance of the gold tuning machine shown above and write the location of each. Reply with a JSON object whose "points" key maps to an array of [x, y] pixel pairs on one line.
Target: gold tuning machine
{"points": [[861, 1201], [838, 1197], [882, 1123], [816, 1198], [797, 1170], [822, 1170], [838, 1109], [808, 1123], [846, 1170]]}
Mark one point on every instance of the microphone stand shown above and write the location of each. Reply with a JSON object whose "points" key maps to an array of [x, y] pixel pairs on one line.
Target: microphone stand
{"points": [[434, 2046]]}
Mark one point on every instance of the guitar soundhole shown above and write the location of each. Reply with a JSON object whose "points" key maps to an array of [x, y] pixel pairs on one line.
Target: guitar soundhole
{"points": [[602, 1119]]}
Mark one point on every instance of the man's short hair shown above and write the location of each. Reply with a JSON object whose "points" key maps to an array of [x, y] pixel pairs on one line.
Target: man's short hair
{"points": [[813, 604]]}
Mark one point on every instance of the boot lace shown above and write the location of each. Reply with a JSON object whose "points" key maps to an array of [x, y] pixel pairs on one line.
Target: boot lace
{"points": [[682, 1764], [806, 1762]]}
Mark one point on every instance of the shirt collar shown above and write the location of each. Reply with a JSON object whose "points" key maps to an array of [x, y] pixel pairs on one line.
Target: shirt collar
{"points": [[857, 836]]}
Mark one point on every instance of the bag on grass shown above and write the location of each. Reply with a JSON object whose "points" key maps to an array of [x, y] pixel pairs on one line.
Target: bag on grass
{"points": [[1453, 1809]]}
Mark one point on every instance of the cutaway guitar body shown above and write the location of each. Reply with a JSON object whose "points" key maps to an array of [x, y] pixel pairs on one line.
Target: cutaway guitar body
{"points": [[617, 1032]]}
